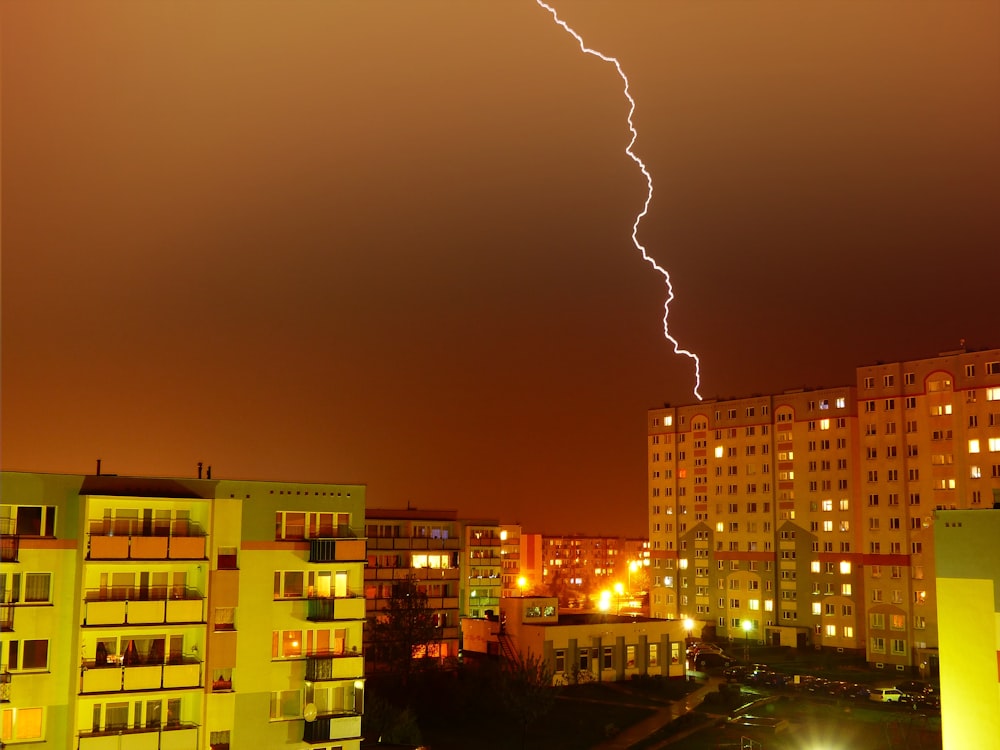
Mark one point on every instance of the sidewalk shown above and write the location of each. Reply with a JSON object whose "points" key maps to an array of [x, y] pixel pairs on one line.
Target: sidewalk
{"points": [[642, 730]]}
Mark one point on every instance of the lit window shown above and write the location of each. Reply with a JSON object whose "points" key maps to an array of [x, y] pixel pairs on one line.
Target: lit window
{"points": [[848, 631], [814, 566], [21, 724], [719, 450], [831, 630], [845, 567], [994, 444], [845, 589], [817, 608], [824, 424]]}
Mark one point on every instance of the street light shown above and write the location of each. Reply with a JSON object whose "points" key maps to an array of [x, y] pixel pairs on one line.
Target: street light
{"points": [[747, 626], [521, 583], [633, 567], [619, 589]]}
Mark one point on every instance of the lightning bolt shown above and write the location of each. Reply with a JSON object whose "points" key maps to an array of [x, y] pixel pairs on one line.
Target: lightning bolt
{"points": [[649, 193]]}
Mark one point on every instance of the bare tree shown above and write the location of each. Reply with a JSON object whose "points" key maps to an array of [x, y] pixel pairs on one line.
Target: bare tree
{"points": [[401, 628], [526, 690]]}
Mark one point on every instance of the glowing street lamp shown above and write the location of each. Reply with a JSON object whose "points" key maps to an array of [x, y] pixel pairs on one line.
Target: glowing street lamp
{"points": [[619, 590], [633, 567], [604, 602], [747, 627], [521, 583]]}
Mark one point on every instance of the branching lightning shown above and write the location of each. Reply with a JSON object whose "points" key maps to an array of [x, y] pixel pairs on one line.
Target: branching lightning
{"points": [[649, 193]]}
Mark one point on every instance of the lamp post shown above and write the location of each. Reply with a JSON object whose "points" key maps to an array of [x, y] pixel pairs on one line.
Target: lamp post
{"points": [[747, 625], [521, 583], [633, 567], [688, 626], [619, 589]]}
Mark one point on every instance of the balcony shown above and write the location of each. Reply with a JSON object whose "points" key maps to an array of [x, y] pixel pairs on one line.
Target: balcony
{"points": [[6, 617], [343, 666], [332, 727], [116, 677], [181, 736], [134, 539], [173, 605], [10, 542], [328, 609], [4, 685], [327, 550]]}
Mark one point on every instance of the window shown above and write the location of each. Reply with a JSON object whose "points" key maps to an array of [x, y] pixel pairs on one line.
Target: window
{"points": [[28, 520], [21, 724], [286, 704], [35, 655], [37, 587]]}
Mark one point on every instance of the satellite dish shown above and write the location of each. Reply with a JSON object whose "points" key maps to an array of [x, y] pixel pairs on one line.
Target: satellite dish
{"points": [[310, 712]]}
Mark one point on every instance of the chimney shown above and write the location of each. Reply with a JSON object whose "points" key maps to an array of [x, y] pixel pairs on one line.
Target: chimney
{"points": [[199, 470], [209, 473], [98, 467]]}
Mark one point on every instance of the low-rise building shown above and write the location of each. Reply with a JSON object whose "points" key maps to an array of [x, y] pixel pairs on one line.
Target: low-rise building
{"points": [[580, 647]]}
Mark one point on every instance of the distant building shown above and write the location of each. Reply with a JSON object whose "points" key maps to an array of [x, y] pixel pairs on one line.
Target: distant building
{"points": [[180, 614], [808, 513], [424, 544], [510, 561], [482, 570], [968, 597], [576, 567]]}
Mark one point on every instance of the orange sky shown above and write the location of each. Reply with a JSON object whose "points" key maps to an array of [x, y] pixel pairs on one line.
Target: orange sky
{"points": [[388, 242]]}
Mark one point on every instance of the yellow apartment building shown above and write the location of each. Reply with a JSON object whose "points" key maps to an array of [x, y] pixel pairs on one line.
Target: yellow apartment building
{"points": [[807, 514], [181, 614], [968, 595]]}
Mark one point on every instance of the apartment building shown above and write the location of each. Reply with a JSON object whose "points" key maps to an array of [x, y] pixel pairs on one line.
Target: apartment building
{"points": [[424, 544], [807, 514], [510, 561], [577, 566], [181, 614], [968, 594], [482, 571]]}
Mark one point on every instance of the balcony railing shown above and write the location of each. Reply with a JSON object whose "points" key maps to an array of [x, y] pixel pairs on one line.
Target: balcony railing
{"points": [[6, 617], [176, 736], [178, 605], [343, 549], [341, 726], [327, 609], [9, 541], [137, 539], [4, 684], [340, 666], [117, 677]]}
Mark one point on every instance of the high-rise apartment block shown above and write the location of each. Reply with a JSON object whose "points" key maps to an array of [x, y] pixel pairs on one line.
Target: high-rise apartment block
{"points": [[180, 614], [807, 514], [424, 545]]}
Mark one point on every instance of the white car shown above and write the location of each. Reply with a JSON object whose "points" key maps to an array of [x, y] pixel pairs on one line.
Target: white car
{"points": [[885, 695]]}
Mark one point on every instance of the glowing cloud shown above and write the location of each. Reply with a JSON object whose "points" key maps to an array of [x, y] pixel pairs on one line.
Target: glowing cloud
{"points": [[649, 193]]}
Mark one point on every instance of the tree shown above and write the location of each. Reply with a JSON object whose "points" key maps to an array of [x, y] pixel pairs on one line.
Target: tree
{"points": [[402, 627], [526, 690], [389, 724]]}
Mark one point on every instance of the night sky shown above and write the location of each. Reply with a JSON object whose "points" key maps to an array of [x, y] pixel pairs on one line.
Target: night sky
{"points": [[389, 242]]}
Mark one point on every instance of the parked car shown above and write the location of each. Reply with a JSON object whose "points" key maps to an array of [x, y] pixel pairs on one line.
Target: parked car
{"points": [[885, 695], [916, 687], [707, 659], [697, 648], [736, 673]]}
